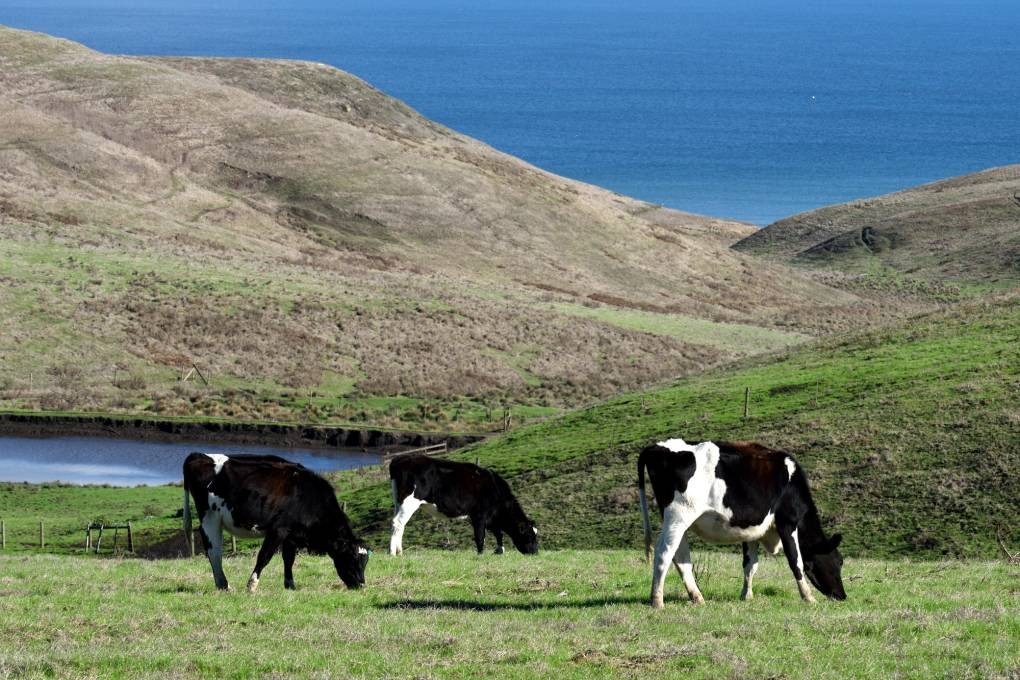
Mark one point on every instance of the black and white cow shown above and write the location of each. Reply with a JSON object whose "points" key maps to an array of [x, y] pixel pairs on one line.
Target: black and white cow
{"points": [[290, 505], [738, 492], [458, 490]]}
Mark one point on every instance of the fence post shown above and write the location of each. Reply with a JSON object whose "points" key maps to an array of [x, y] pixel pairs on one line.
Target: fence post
{"points": [[747, 399], [88, 536], [131, 540], [42, 534], [3, 535], [233, 544]]}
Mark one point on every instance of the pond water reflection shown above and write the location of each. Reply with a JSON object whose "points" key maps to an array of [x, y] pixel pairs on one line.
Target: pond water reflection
{"points": [[125, 462]]}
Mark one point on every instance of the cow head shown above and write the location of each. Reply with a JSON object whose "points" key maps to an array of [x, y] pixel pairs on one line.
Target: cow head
{"points": [[350, 559], [823, 567], [525, 536]]}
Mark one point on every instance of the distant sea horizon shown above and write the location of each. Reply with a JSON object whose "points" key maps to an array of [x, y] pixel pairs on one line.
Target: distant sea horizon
{"points": [[747, 110]]}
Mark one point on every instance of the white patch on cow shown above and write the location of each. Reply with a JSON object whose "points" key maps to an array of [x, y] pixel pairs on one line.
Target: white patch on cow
{"points": [[802, 584], [226, 519], [362, 551], [790, 466], [676, 445], [535, 529], [715, 527], [407, 507], [218, 460]]}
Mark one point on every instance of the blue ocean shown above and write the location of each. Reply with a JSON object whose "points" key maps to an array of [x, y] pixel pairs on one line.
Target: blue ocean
{"points": [[747, 109]]}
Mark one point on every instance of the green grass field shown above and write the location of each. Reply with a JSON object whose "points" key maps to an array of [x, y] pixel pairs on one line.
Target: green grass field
{"points": [[569, 614]]}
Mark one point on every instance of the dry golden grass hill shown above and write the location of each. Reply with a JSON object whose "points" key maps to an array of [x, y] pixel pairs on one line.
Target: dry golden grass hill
{"points": [[964, 230], [321, 252]]}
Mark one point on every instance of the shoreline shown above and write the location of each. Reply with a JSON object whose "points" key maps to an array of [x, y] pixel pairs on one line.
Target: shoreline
{"points": [[284, 435]]}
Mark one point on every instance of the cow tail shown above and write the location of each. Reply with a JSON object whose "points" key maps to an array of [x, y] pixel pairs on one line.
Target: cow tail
{"points": [[189, 537], [644, 506]]}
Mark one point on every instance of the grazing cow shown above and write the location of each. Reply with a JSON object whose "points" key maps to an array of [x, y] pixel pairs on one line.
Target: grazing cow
{"points": [[268, 496], [458, 490], [738, 492]]}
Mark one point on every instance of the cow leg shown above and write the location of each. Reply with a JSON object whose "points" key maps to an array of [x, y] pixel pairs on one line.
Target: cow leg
{"points": [[791, 546], [674, 527], [499, 540], [289, 552], [269, 545], [479, 526], [403, 514], [750, 567], [685, 566], [212, 539]]}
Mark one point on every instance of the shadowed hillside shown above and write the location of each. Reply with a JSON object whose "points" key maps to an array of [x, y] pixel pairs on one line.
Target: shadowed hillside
{"points": [[964, 230], [321, 252]]}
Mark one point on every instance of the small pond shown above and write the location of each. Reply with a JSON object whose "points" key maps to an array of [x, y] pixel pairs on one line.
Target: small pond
{"points": [[125, 462]]}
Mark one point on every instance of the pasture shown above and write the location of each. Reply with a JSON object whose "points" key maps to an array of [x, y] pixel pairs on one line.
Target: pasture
{"points": [[571, 614]]}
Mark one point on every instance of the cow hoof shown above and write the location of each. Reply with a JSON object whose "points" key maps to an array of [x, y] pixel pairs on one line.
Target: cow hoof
{"points": [[657, 603], [498, 551], [697, 598], [747, 597], [289, 585]]}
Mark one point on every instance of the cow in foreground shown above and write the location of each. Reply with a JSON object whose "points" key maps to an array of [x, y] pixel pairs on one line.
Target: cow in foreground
{"points": [[458, 490], [288, 504], [738, 492]]}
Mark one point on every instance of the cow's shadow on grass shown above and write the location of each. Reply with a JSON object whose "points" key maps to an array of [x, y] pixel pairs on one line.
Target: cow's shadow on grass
{"points": [[474, 605]]}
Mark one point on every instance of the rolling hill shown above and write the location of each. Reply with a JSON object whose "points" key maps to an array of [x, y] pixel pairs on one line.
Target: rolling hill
{"points": [[321, 252], [964, 230], [910, 436]]}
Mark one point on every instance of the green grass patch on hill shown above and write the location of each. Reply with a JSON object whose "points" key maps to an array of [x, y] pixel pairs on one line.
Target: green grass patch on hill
{"points": [[731, 337], [564, 614]]}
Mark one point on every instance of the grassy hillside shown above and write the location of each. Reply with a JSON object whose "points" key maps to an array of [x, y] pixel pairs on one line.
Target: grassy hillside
{"points": [[910, 436], [323, 253], [573, 614], [964, 230]]}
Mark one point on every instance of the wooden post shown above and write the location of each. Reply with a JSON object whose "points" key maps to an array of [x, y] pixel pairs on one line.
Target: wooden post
{"points": [[99, 538], [42, 534], [204, 381], [233, 544], [88, 536], [3, 535], [131, 539], [747, 399]]}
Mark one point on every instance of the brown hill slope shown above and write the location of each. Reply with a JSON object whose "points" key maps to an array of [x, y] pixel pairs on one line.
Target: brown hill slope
{"points": [[313, 245], [965, 229]]}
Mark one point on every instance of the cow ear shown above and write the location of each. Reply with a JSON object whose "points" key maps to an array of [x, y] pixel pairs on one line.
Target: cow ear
{"points": [[829, 544]]}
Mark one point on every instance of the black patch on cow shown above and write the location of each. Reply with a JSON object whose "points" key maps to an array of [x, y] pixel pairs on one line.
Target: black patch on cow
{"points": [[668, 472], [756, 478]]}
